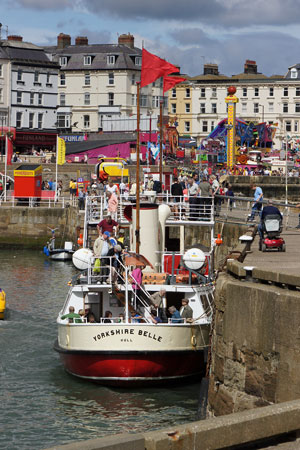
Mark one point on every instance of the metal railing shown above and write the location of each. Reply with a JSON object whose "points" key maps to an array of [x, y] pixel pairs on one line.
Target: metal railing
{"points": [[32, 202]]}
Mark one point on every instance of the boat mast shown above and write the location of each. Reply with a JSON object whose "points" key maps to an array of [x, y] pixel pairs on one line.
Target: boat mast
{"points": [[161, 144], [137, 227]]}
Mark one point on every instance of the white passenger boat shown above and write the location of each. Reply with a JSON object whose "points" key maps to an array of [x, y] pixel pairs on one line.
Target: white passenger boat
{"points": [[58, 254], [129, 347]]}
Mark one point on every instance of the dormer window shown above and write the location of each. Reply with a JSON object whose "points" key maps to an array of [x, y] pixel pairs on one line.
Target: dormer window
{"points": [[294, 73], [138, 60], [63, 61], [111, 59], [87, 61]]}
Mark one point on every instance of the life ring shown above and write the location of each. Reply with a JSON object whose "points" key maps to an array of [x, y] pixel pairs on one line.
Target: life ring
{"points": [[194, 340], [243, 159]]}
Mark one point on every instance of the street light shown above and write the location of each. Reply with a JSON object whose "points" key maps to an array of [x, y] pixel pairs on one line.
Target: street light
{"points": [[263, 112]]}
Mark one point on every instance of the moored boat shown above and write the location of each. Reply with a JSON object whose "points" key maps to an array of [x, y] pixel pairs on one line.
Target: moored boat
{"points": [[132, 346], [2, 304]]}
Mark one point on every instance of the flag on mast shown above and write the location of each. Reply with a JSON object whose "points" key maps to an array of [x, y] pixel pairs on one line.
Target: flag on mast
{"points": [[170, 82], [154, 67], [61, 151], [9, 151]]}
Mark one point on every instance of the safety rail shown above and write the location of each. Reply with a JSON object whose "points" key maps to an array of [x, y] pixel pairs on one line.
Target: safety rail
{"points": [[102, 271], [239, 209], [32, 202], [193, 209]]}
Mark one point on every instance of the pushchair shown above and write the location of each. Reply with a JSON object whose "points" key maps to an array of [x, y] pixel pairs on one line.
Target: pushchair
{"points": [[272, 226]]}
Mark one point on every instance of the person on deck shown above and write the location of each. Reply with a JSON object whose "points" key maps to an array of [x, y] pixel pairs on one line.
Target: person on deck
{"points": [[72, 315], [175, 315], [107, 224], [186, 311], [112, 205]]}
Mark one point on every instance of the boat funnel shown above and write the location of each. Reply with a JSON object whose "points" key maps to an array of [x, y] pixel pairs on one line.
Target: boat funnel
{"points": [[164, 211]]}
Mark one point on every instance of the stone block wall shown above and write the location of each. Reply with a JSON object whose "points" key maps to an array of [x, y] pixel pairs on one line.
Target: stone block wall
{"points": [[255, 357]]}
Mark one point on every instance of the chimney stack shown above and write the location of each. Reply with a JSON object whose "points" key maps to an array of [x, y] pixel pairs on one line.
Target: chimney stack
{"points": [[14, 37], [210, 69], [126, 39], [81, 40], [63, 40], [250, 66]]}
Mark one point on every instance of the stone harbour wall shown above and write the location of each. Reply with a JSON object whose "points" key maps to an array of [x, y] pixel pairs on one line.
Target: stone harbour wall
{"points": [[255, 350], [23, 227]]}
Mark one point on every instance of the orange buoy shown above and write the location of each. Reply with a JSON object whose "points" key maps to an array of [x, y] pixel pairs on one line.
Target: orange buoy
{"points": [[219, 240], [80, 240]]}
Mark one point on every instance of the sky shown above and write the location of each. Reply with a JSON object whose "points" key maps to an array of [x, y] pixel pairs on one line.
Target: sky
{"points": [[187, 33]]}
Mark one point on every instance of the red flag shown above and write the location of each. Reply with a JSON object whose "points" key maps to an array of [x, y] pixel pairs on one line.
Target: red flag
{"points": [[170, 82], [9, 151], [154, 67]]}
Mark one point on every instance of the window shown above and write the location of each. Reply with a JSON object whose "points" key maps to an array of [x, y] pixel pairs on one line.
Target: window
{"points": [[255, 108], [187, 127], [153, 84], [111, 97], [31, 120], [133, 79], [111, 78], [19, 120], [173, 93], [212, 126], [202, 93], [32, 98], [155, 101], [62, 79], [86, 121], [133, 99], [161, 82], [244, 107], [285, 107], [173, 108], [19, 97], [245, 93], [48, 78], [286, 92], [202, 108], [63, 61], [36, 76], [297, 91], [87, 60], [294, 73], [19, 75], [3, 120], [213, 92], [63, 121], [87, 79], [1, 95], [111, 59], [143, 100], [214, 108], [296, 126], [1, 70], [40, 120], [138, 61], [271, 92], [271, 107], [40, 98], [87, 98], [297, 107], [256, 92], [187, 107], [204, 126], [188, 92], [288, 126], [62, 99]]}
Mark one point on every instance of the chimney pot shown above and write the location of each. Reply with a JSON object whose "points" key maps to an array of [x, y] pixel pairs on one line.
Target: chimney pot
{"points": [[63, 40], [81, 40], [126, 39], [14, 37]]}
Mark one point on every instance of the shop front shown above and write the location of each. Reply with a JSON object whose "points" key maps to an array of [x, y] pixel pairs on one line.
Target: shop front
{"points": [[27, 142]]}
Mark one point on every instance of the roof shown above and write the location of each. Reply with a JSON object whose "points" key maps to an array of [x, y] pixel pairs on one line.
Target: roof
{"points": [[125, 56], [24, 52], [208, 77], [79, 147]]}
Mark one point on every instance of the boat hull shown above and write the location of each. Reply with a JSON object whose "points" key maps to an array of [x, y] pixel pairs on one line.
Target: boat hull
{"points": [[140, 354], [61, 255], [137, 368]]}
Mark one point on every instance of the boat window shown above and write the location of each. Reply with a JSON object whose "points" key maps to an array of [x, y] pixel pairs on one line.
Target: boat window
{"points": [[172, 239]]}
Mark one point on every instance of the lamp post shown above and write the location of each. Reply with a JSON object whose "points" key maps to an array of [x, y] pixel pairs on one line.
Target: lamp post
{"points": [[263, 112]]}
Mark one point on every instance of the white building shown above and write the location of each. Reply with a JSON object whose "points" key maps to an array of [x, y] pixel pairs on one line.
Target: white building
{"points": [[275, 100], [97, 86], [28, 93]]}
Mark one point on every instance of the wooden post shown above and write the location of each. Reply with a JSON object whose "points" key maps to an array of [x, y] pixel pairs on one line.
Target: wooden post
{"points": [[137, 228]]}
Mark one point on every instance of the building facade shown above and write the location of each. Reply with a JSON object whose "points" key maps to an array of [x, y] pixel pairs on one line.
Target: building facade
{"points": [[198, 105], [28, 93], [97, 89]]}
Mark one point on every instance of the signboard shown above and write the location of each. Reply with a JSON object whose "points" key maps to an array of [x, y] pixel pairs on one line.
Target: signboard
{"points": [[74, 138], [61, 151]]}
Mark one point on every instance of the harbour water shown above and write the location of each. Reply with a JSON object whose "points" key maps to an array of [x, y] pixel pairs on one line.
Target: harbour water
{"points": [[40, 404]]}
